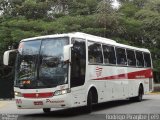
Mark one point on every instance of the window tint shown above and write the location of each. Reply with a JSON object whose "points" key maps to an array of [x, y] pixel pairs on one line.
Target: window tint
{"points": [[131, 58], [139, 57], [121, 56], [109, 54], [95, 53], [147, 59]]}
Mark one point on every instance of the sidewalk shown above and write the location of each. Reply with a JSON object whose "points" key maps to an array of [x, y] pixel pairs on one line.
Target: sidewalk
{"points": [[154, 93], [3, 103]]}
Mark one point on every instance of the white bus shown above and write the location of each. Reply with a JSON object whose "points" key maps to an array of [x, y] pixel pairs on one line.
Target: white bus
{"points": [[78, 69]]}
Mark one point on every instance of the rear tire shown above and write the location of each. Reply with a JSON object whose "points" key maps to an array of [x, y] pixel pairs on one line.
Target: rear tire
{"points": [[140, 95], [46, 110]]}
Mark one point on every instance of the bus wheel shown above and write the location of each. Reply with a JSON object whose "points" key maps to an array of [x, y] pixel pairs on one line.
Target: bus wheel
{"points": [[46, 110], [140, 94], [89, 102]]}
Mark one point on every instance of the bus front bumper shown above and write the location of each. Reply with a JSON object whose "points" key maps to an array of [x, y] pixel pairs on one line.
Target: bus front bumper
{"points": [[60, 101]]}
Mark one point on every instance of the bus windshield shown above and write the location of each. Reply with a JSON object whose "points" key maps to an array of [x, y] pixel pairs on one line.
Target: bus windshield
{"points": [[40, 63]]}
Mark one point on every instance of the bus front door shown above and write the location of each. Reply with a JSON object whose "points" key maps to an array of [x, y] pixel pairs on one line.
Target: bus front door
{"points": [[78, 70]]}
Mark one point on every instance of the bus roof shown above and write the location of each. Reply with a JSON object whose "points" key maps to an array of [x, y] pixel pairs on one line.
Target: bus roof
{"points": [[88, 37]]}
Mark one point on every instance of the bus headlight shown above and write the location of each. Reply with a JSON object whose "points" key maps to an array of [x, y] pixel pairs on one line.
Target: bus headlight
{"points": [[18, 94], [61, 92]]}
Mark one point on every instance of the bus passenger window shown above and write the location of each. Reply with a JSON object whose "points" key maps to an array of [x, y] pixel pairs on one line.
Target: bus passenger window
{"points": [[147, 59], [139, 58], [94, 53], [109, 54], [121, 56], [131, 58]]}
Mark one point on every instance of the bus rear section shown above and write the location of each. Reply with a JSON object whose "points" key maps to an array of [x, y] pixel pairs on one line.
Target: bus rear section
{"points": [[119, 71]]}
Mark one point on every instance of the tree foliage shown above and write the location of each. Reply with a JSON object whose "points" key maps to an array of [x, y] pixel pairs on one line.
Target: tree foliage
{"points": [[135, 22]]}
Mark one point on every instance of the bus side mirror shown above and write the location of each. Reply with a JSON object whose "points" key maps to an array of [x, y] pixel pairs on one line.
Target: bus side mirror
{"points": [[9, 57], [66, 52]]}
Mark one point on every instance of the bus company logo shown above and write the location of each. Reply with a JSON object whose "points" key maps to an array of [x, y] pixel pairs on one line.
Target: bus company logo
{"points": [[98, 71], [37, 95], [54, 101]]}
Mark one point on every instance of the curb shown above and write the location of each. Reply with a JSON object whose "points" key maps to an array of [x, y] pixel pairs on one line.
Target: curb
{"points": [[154, 93]]}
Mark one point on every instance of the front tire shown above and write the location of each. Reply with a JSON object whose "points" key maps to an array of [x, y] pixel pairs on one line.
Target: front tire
{"points": [[89, 102], [46, 110]]}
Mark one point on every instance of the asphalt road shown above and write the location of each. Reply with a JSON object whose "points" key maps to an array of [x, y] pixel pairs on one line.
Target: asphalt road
{"points": [[149, 106]]}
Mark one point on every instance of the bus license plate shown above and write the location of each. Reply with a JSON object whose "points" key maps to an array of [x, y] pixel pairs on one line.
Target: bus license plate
{"points": [[38, 103]]}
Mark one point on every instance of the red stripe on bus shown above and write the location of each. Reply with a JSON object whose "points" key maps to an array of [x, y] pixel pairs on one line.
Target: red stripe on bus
{"points": [[38, 95], [132, 75]]}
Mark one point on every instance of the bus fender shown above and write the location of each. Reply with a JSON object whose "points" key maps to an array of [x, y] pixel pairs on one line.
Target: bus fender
{"points": [[95, 94]]}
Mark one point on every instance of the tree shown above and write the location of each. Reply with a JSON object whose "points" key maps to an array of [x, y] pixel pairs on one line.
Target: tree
{"points": [[136, 22], [82, 7], [150, 17], [105, 15]]}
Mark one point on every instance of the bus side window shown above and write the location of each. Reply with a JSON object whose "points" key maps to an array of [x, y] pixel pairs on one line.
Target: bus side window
{"points": [[147, 60], [131, 58], [139, 59], [109, 54], [121, 56], [94, 53]]}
